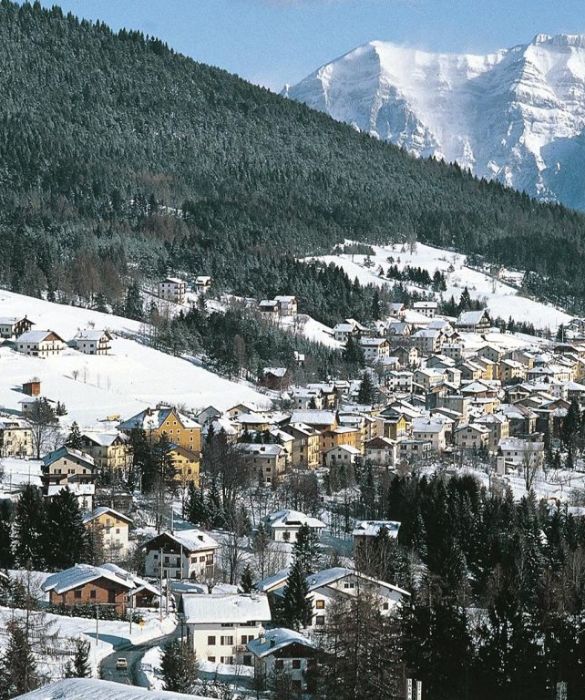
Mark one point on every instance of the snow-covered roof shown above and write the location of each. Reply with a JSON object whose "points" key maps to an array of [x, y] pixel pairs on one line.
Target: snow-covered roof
{"points": [[313, 417], [214, 609], [191, 540], [257, 449], [81, 574], [272, 581], [275, 371], [276, 639], [346, 448], [96, 689], [152, 419], [470, 318], [91, 334], [292, 518], [105, 439], [174, 280], [76, 488], [104, 510], [343, 328], [37, 336], [371, 528], [76, 455], [372, 342]]}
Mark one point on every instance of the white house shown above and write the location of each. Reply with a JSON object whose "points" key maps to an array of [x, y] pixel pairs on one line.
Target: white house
{"points": [[375, 348], [281, 650], [519, 452], [381, 451], [219, 627], [342, 455], [426, 308], [431, 430], [284, 525], [173, 289], [366, 530], [186, 554], [287, 305], [471, 436], [15, 437], [12, 327], [92, 342], [40, 344], [203, 284], [328, 585]]}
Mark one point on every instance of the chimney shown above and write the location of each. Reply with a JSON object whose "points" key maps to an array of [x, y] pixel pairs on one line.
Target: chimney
{"points": [[32, 387]]}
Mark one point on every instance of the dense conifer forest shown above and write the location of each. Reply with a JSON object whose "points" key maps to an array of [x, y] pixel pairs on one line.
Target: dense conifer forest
{"points": [[121, 158]]}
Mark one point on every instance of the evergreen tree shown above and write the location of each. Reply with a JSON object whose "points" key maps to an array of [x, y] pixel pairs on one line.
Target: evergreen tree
{"points": [[296, 607], [353, 355], [133, 306], [18, 667], [306, 549], [80, 668], [178, 667], [6, 553], [196, 510], [247, 580], [366, 390], [66, 541], [30, 527], [74, 439]]}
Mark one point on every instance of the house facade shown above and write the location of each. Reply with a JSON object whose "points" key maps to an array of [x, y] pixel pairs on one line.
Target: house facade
{"points": [[43, 344], [219, 627], [92, 342], [185, 554], [111, 527], [173, 289]]}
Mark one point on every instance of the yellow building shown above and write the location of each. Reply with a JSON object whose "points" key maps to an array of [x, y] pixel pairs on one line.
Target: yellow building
{"points": [[347, 436], [111, 527], [186, 463], [179, 428], [111, 451], [305, 449]]}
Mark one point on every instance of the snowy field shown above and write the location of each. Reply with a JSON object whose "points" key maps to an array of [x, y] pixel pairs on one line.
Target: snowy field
{"points": [[109, 634], [501, 299], [94, 388]]}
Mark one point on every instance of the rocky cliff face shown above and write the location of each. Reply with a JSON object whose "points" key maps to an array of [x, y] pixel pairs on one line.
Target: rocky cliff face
{"points": [[517, 115]]}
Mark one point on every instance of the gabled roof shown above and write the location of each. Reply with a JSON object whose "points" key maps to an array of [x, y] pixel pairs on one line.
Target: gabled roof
{"points": [[276, 639], [313, 417], [292, 518], [92, 334], [218, 609], [105, 439], [65, 451], [152, 419], [192, 540], [82, 574], [371, 528], [470, 318], [96, 689], [37, 336], [103, 510]]}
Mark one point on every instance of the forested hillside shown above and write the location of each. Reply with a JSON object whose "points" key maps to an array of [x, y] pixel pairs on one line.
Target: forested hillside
{"points": [[120, 158]]}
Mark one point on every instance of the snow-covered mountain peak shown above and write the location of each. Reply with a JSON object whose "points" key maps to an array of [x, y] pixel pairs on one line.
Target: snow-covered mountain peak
{"points": [[517, 114]]}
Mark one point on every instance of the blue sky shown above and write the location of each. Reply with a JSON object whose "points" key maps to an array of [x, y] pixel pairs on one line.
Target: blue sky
{"points": [[272, 42]]}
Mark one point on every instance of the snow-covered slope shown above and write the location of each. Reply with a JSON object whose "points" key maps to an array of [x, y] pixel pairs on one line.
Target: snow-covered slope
{"points": [[517, 115], [501, 299], [92, 387]]}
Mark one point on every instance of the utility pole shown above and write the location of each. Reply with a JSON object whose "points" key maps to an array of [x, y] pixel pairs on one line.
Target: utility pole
{"points": [[160, 583]]}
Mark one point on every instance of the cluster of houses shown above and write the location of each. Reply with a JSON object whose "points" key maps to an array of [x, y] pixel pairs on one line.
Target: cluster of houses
{"points": [[175, 289], [48, 343], [222, 624]]}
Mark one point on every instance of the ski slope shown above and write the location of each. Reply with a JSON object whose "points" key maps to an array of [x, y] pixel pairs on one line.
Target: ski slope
{"points": [[93, 388], [501, 299]]}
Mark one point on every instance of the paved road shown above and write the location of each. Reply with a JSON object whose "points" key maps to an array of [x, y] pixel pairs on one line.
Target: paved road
{"points": [[133, 653]]}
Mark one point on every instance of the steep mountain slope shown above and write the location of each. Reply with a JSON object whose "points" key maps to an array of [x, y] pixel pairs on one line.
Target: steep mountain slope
{"points": [[120, 159], [516, 115]]}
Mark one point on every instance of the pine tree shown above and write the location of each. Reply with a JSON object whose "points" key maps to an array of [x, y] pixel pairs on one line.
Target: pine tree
{"points": [[306, 549], [74, 439], [29, 526], [296, 608], [66, 540], [80, 668], [18, 667], [247, 580], [196, 510], [6, 553], [179, 667], [133, 306], [366, 390]]}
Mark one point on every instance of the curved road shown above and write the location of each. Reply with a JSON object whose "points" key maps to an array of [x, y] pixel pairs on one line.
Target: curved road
{"points": [[133, 653]]}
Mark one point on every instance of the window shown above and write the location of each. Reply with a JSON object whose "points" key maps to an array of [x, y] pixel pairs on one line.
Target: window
{"points": [[211, 659], [78, 594], [227, 640], [211, 641], [320, 620], [247, 659], [92, 594], [296, 663], [320, 604], [227, 660], [279, 664], [385, 606]]}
